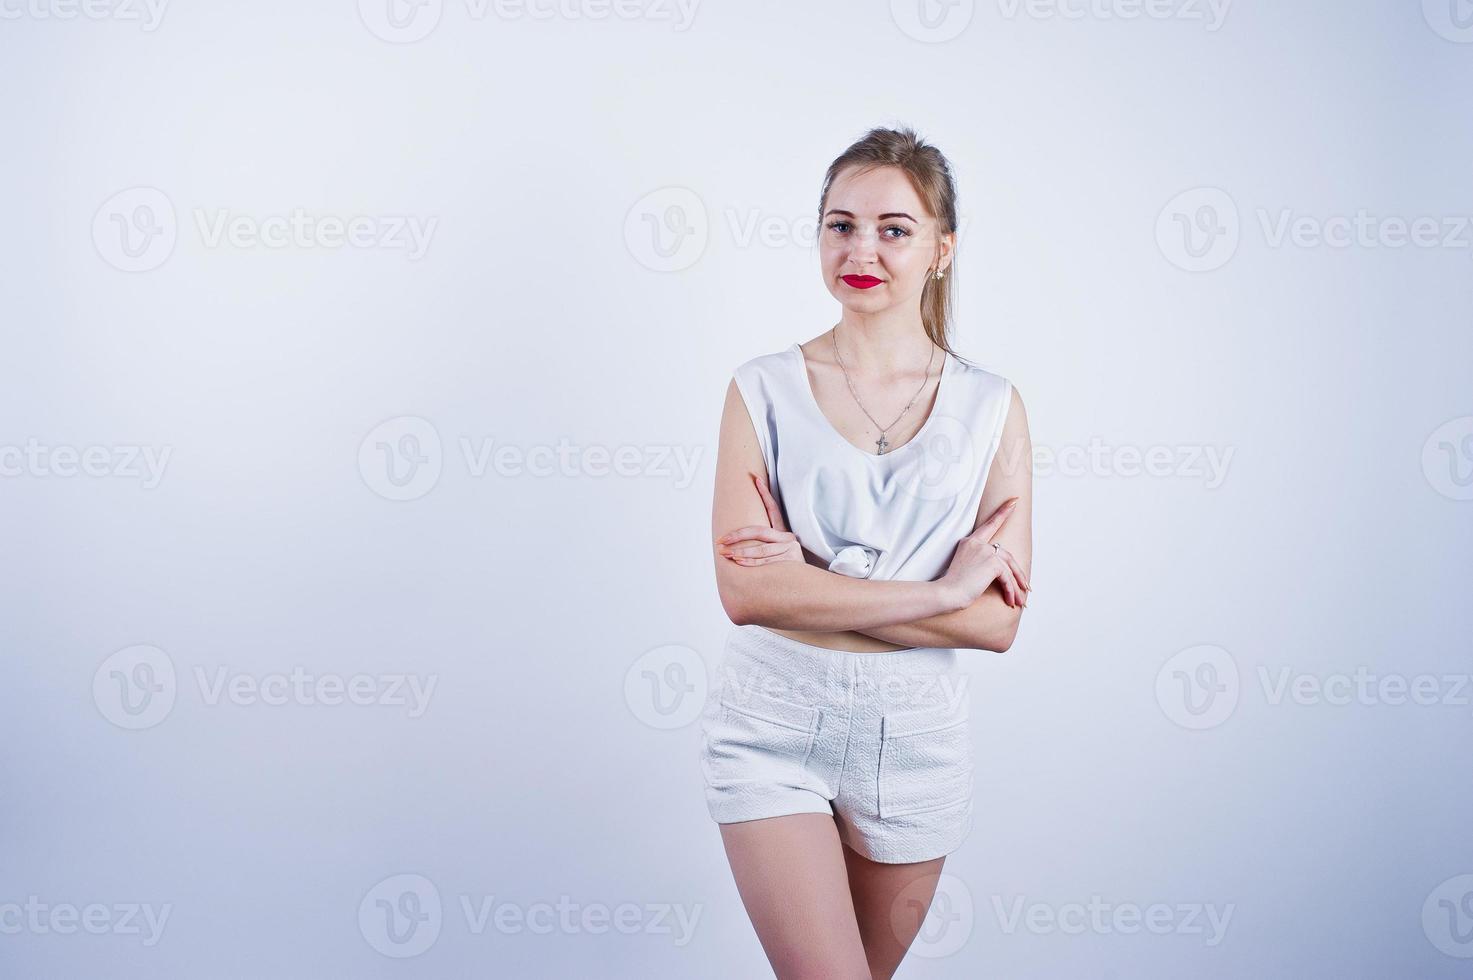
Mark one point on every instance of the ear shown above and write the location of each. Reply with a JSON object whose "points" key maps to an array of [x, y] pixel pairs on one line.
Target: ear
{"points": [[945, 248]]}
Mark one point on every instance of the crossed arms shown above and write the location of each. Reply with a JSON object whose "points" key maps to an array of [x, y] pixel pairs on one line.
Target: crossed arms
{"points": [[786, 587]]}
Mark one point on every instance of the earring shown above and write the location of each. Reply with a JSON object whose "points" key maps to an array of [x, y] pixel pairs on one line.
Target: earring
{"points": [[939, 274]]}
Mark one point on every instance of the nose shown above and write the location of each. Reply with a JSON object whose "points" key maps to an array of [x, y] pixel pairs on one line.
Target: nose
{"points": [[862, 248]]}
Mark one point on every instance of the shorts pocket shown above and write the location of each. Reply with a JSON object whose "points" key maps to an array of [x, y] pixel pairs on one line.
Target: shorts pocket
{"points": [[754, 731], [925, 760]]}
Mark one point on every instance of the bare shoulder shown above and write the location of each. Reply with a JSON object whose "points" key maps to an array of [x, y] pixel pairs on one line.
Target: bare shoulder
{"points": [[991, 386], [1017, 420]]}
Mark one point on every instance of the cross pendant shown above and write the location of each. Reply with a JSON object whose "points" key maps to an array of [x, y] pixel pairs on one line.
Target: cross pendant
{"points": [[881, 444]]}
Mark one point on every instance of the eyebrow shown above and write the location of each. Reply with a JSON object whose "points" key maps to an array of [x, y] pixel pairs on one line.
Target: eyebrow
{"points": [[891, 214]]}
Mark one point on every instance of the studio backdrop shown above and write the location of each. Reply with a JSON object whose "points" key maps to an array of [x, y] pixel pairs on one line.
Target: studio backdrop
{"points": [[360, 382]]}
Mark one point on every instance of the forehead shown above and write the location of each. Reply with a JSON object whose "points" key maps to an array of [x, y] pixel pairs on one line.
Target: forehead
{"points": [[879, 191]]}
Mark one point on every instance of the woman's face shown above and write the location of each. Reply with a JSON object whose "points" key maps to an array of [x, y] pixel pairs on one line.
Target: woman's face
{"points": [[875, 228]]}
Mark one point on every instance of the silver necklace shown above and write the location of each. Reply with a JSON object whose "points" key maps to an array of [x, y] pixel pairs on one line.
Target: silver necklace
{"points": [[881, 444]]}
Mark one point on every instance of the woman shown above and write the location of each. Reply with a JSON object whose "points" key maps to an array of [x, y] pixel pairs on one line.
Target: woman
{"points": [[858, 562]]}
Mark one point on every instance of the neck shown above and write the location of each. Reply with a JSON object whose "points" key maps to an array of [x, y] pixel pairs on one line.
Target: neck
{"points": [[875, 345]]}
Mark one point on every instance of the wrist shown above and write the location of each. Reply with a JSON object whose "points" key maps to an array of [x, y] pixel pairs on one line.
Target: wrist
{"points": [[951, 596]]}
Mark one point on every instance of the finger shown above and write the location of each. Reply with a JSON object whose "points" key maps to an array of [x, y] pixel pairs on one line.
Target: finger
{"points": [[995, 520], [1018, 574], [1008, 585], [756, 551], [774, 512], [782, 542], [756, 561], [1023, 578], [758, 531]]}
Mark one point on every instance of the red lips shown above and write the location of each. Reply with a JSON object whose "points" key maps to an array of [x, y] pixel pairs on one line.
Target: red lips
{"points": [[862, 282]]}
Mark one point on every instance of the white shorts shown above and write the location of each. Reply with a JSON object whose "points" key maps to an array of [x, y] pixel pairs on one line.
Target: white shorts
{"points": [[880, 740]]}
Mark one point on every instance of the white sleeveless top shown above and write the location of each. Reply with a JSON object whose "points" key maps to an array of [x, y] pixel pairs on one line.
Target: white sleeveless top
{"points": [[892, 516]]}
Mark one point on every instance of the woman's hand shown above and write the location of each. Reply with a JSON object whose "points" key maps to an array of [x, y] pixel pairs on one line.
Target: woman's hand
{"points": [[757, 545], [978, 562]]}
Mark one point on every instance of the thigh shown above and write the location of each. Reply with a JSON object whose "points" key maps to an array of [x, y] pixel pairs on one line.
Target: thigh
{"points": [[790, 873], [890, 903]]}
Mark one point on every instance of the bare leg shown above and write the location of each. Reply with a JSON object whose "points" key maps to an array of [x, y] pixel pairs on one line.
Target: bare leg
{"points": [[890, 903], [791, 876]]}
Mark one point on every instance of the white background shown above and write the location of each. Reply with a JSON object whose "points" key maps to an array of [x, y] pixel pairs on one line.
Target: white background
{"points": [[544, 151]]}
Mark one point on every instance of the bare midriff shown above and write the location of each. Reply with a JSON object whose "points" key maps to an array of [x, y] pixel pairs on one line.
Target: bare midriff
{"points": [[850, 641]]}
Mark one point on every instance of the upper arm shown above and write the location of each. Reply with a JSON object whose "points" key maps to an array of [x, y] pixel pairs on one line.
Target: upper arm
{"points": [[1011, 475], [736, 502]]}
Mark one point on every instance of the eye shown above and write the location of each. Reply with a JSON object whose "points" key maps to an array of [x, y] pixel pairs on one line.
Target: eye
{"points": [[835, 225], [904, 233]]}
